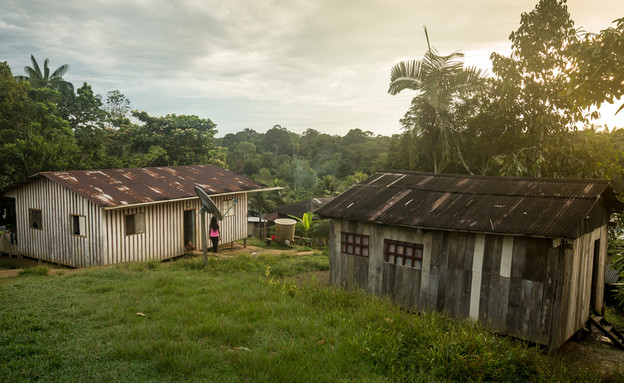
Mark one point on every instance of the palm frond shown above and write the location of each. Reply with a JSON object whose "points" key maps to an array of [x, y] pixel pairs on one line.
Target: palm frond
{"points": [[35, 64], [405, 75], [427, 37], [60, 71]]}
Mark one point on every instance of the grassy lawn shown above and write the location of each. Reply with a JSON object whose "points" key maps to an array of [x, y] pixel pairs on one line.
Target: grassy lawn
{"points": [[244, 318]]}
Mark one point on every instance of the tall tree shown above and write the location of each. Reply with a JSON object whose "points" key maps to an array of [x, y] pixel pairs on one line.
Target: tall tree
{"points": [[118, 108], [532, 81], [43, 79], [33, 135], [167, 141], [533, 85], [439, 81], [597, 67]]}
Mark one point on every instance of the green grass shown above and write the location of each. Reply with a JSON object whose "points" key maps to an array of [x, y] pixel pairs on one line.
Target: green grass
{"points": [[241, 319]]}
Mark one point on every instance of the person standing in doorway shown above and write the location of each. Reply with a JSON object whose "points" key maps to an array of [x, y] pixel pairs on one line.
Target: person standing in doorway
{"points": [[214, 234]]}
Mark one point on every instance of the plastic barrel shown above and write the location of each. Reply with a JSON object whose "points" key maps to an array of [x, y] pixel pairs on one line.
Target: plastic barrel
{"points": [[285, 229]]}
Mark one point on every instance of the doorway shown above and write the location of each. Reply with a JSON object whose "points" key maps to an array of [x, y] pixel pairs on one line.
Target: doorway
{"points": [[189, 227], [594, 282]]}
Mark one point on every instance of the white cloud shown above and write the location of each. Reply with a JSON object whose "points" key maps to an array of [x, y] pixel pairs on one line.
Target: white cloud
{"points": [[321, 64]]}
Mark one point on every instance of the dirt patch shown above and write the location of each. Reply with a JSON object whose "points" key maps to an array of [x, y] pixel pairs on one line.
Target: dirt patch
{"points": [[595, 350], [14, 262], [227, 251], [11, 266]]}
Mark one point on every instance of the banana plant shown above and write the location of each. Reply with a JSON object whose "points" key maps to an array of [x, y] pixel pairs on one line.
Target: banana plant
{"points": [[305, 221]]}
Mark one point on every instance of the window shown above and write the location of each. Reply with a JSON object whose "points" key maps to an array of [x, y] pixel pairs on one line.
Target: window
{"points": [[78, 225], [355, 244], [34, 219], [403, 253], [135, 223], [229, 207]]}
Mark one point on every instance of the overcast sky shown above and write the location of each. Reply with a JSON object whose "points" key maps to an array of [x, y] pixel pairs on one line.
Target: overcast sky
{"points": [[320, 64]]}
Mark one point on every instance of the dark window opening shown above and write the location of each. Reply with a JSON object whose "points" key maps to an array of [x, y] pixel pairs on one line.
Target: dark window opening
{"points": [[403, 253], [35, 219], [135, 223], [354, 244], [78, 225]]}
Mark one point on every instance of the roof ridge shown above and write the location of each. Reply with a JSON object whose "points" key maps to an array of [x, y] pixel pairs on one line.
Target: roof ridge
{"points": [[502, 178]]}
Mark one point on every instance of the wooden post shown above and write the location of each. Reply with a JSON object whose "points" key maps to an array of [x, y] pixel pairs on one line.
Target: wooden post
{"points": [[203, 230]]}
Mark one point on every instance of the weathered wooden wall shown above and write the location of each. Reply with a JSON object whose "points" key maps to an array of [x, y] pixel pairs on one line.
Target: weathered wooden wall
{"points": [[105, 241], [162, 238], [164, 229], [534, 288], [54, 242], [574, 301]]}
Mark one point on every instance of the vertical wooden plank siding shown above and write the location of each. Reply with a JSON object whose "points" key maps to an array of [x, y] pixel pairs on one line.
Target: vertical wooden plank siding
{"points": [[526, 287], [163, 237], [55, 242], [505, 265], [334, 252], [574, 302], [424, 292], [104, 240], [477, 266]]}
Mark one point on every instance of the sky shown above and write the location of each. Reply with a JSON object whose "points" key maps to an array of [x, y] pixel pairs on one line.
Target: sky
{"points": [[301, 64]]}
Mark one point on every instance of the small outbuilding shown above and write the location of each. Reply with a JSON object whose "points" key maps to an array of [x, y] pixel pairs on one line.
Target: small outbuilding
{"points": [[524, 256], [100, 217], [299, 208]]}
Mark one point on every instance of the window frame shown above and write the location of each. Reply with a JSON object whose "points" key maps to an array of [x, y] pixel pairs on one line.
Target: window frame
{"points": [[32, 221], [229, 207], [355, 244], [135, 230], [415, 258], [82, 225]]}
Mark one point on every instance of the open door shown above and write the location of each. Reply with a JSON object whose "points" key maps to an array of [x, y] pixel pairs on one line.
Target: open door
{"points": [[594, 282], [189, 227]]}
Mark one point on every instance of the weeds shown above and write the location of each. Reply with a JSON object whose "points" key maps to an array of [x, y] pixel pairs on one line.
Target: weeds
{"points": [[241, 319], [36, 270]]}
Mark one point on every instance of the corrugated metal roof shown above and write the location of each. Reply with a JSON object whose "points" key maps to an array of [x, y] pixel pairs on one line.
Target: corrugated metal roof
{"points": [[549, 207], [120, 187], [298, 209]]}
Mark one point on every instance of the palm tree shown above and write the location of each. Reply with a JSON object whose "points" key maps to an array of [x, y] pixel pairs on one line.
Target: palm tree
{"points": [[440, 80], [43, 79], [327, 186]]}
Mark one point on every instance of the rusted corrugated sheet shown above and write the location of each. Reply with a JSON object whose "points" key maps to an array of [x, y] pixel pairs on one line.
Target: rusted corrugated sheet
{"points": [[298, 209], [545, 207], [120, 187]]}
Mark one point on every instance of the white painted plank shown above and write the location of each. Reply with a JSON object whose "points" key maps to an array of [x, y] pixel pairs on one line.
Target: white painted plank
{"points": [[477, 267], [505, 267]]}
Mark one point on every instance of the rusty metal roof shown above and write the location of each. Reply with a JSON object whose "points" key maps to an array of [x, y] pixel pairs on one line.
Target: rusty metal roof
{"points": [[298, 209], [546, 207], [120, 187]]}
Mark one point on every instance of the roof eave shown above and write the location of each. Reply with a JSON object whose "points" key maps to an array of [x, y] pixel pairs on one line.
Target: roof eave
{"points": [[186, 198]]}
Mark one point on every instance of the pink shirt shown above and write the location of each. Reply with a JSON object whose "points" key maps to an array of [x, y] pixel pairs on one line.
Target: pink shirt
{"points": [[214, 232]]}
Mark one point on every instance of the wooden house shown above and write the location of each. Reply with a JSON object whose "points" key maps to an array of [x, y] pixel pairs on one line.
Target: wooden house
{"points": [[299, 208], [525, 256], [100, 217]]}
